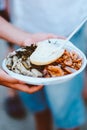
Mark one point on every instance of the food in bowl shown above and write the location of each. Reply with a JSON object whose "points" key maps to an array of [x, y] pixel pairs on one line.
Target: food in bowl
{"points": [[64, 63]]}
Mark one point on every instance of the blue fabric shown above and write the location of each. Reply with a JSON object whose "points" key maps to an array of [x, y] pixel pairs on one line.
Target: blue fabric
{"points": [[64, 100], [35, 102]]}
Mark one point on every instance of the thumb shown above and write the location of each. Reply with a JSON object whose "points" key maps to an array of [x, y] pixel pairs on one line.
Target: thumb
{"points": [[27, 42]]}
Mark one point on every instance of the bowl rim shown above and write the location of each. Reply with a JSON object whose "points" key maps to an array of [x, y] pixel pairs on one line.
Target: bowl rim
{"points": [[41, 80]]}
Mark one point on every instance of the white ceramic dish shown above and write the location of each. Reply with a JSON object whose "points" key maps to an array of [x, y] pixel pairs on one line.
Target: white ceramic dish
{"points": [[52, 80]]}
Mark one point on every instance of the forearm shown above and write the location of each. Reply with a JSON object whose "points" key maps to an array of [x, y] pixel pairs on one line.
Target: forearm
{"points": [[12, 33]]}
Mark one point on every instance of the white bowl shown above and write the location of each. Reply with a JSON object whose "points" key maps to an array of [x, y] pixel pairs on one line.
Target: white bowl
{"points": [[52, 80]]}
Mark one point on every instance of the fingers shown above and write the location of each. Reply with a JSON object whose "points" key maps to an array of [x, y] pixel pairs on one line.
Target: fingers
{"points": [[55, 36], [28, 42], [4, 77], [8, 81], [40, 37], [61, 37], [26, 88], [32, 89]]}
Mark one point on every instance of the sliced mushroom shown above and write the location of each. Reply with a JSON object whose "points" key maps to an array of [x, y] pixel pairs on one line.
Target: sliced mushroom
{"points": [[15, 58], [18, 65], [26, 65], [36, 73], [9, 63]]}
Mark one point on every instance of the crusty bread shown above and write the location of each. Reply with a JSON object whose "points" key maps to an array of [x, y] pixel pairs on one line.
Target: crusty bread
{"points": [[46, 53]]}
